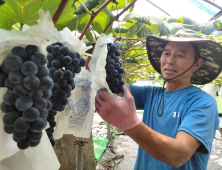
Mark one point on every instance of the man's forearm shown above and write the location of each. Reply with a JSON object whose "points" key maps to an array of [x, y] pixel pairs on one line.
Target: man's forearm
{"points": [[163, 148]]}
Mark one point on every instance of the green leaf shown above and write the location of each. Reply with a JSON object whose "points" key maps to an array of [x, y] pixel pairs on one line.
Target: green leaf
{"points": [[174, 27], [1, 2], [90, 4], [121, 5], [122, 29], [181, 19], [66, 16], [163, 30], [24, 11]]}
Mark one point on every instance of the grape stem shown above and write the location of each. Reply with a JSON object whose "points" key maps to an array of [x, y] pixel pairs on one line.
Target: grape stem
{"points": [[21, 27], [59, 11]]}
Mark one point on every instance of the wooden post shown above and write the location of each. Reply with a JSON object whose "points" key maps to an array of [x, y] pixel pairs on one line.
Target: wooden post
{"points": [[66, 153]]}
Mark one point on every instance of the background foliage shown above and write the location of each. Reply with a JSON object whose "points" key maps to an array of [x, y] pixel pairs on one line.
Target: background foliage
{"points": [[132, 29]]}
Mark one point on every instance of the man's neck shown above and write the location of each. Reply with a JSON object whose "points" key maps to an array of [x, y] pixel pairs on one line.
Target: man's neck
{"points": [[172, 86]]}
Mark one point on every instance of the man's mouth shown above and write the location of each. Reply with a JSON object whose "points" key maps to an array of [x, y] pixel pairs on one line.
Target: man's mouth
{"points": [[169, 70]]}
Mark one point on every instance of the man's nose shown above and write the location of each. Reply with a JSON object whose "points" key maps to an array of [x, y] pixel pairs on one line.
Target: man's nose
{"points": [[171, 59]]}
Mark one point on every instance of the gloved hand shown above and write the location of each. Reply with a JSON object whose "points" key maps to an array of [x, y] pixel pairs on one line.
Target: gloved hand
{"points": [[119, 112]]}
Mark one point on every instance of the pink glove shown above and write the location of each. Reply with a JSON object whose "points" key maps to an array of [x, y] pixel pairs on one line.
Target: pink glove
{"points": [[119, 112]]}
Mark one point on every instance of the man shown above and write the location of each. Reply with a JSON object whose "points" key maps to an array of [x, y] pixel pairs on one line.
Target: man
{"points": [[179, 121]]}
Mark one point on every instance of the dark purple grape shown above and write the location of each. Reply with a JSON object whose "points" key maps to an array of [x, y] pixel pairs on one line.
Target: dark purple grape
{"points": [[109, 78], [10, 97], [10, 117], [61, 108], [67, 74], [62, 94], [20, 135], [19, 51], [116, 58], [121, 70], [113, 48], [108, 58], [53, 113], [14, 138], [56, 88], [62, 82], [3, 78], [70, 81], [49, 48], [82, 62], [7, 108], [119, 76], [58, 74], [44, 114], [16, 77], [20, 90], [46, 83], [31, 82], [72, 54], [112, 55], [54, 97], [5, 69], [47, 94], [51, 70], [64, 50], [120, 63], [60, 57], [23, 103], [13, 62], [75, 62], [31, 114], [68, 94], [31, 49], [39, 59], [21, 125], [117, 53], [114, 72], [111, 61], [55, 106], [49, 105], [40, 104], [29, 68], [56, 63], [110, 67], [50, 57], [9, 84], [35, 136], [42, 72], [34, 144], [67, 60], [8, 129], [117, 66], [67, 87], [56, 49], [23, 143], [35, 94], [121, 82], [108, 49], [63, 101], [77, 70], [53, 124], [38, 125], [115, 81], [70, 67]]}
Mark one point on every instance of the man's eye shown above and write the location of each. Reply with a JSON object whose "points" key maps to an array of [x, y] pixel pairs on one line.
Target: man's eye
{"points": [[180, 56], [166, 54]]}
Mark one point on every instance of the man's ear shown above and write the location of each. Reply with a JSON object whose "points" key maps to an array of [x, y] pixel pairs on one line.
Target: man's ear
{"points": [[198, 64]]}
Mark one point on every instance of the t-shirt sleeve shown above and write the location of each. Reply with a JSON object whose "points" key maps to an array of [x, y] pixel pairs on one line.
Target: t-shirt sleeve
{"points": [[201, 121], [139, 93]]}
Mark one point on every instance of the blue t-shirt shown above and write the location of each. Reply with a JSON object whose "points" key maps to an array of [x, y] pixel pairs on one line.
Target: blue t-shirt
{"points": [[190, 109]]}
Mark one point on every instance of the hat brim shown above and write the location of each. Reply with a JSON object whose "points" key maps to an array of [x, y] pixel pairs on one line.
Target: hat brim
{"points": [[209, 50]]}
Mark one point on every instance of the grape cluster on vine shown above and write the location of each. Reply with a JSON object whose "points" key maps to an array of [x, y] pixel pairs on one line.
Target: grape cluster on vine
{"points": [[63, 64], [26, 102], [114, 69]]}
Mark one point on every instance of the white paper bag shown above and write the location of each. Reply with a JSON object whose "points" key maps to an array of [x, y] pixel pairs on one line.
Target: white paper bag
{"points": [[42, 156], [77, 117], [98, 62]]}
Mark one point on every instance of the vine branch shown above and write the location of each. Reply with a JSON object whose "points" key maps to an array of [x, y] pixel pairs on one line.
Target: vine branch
{"points": [[117, 17], [95, 13], [59, 11]]}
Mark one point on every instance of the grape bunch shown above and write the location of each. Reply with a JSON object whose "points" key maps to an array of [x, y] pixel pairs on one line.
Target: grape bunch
{"points": [[63, 64], [114, 69], [26, 102]]}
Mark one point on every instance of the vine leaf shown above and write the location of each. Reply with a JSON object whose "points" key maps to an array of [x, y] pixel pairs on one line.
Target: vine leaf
{"points": [[90, 4], [149, 20], [24, 11]]}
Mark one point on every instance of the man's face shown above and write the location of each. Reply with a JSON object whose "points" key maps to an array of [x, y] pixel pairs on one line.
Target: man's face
{"points": [[176, 58]]}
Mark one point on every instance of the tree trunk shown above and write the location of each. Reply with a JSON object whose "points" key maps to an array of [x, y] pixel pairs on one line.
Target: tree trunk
{"points": [[66, 153]]}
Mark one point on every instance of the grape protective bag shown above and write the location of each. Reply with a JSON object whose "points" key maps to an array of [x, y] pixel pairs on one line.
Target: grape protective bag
{"points": [[98, 62], [77, 117], [43, 155]]}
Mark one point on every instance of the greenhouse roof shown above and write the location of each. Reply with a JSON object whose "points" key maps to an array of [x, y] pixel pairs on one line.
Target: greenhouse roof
{"points": [[198, 10]]}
